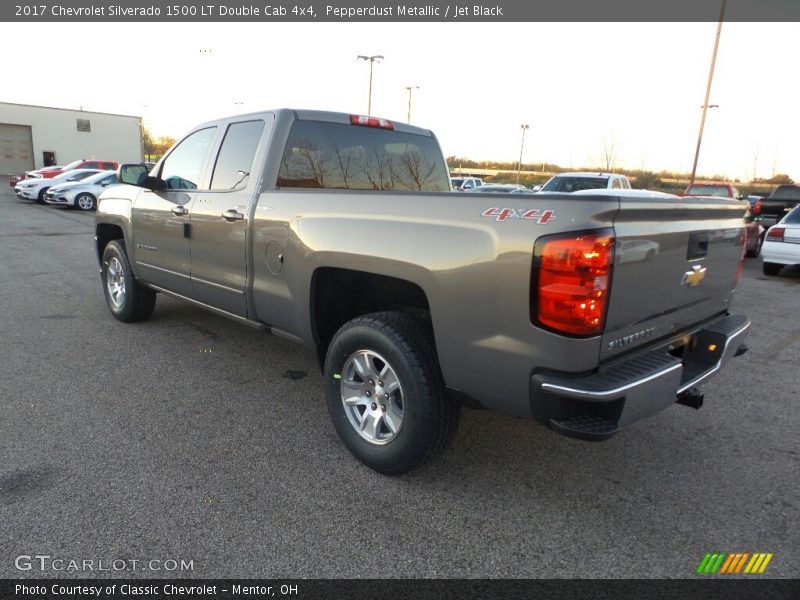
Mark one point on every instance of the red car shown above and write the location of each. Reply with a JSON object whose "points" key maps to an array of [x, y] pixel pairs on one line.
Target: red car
{"points": [[50, 172], [712, 188]]}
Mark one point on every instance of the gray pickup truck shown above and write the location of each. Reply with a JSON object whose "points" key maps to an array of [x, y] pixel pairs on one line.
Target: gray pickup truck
{"points": [[583, 312]]}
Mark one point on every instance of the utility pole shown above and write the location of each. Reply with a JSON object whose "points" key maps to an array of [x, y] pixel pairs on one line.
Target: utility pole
{"points": [[371, 59], [410, 88], [521, 146], [708, 92]]}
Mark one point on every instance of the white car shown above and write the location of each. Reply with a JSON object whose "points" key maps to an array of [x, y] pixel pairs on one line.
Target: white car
{"points": [[574, 182], [81, 194], [781, 245], [35, 189]]}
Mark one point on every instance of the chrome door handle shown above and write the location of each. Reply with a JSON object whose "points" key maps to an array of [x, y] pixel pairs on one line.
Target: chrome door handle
{"points": [[232, 215], [180, 210]]}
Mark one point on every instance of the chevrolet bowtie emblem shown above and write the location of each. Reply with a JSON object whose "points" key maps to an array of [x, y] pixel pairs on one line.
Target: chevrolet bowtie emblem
{"points": [[693, 277]]}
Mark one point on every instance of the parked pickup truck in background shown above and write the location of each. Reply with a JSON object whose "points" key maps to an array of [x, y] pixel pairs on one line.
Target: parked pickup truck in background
{"points": [[712, 188], [753, 228], [340, 232], [576, 182], [775, 206], [466, 184]]}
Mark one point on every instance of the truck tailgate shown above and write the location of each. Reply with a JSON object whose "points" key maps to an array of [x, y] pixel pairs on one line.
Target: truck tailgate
{"points": [[676, 264]]}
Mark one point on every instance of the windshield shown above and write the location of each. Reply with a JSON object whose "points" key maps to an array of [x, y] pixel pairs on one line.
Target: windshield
{"points": [[575, 184]]}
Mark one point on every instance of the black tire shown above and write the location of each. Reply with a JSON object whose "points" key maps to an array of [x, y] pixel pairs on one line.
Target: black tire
{"points": [[89, 201], [40, 197], [429, 415], [136, 302], [772, 269], [650, 256]]}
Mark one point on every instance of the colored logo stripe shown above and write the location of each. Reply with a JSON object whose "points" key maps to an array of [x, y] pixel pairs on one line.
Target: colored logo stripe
{"points": [[710, 563], [758, 563], [729, 564], [734, 563]]}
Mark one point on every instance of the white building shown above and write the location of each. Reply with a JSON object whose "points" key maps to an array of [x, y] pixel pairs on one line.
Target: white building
{"points": [[32, 137]]}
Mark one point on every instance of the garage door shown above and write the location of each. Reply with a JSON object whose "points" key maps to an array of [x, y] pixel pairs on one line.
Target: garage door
{"points": [[16, 149]]}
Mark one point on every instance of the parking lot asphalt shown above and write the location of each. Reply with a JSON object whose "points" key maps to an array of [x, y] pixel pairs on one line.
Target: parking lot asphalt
{"points": [[190, 437]]}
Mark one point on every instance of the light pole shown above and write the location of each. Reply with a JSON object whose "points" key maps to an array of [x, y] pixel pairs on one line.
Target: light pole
{"points": [[521, 146], [371, 60], [706, 106], [410, 88]]}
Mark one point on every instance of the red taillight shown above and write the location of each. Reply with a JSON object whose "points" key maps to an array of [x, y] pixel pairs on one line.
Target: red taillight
{"points": [[573, 281], [776, 234], [370, 122]]}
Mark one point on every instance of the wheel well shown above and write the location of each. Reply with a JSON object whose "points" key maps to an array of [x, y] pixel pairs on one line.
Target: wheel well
{"points": [[106, 233], [338, 295]]}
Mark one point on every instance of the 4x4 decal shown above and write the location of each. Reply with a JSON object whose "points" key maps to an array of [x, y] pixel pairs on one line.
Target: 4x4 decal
{"points": [[541, 216]]}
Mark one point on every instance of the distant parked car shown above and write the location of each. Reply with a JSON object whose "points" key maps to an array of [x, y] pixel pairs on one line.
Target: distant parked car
{"points": [[35, 189], [498, 188], [50, 172], [575, 182], [755, 233], [15, 179], [81, 194], [712, 188], [781, 245], [755, 202], [782, 199]]}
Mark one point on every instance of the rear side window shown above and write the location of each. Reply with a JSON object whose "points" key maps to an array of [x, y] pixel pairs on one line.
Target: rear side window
{"points": [[787, 192], [236, 156], [338, 156], [793, 218]]}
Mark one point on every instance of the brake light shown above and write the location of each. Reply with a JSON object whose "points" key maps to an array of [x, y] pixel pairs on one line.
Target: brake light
{"points": [[776, 234], [571, 282], [370, 122]]}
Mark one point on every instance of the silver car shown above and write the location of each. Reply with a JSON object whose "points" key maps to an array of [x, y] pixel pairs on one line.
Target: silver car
{"points": [[35, 189], [81, 194]]}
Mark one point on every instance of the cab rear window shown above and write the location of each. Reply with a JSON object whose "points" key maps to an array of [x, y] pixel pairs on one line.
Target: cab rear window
{"points": [[338, 156]]}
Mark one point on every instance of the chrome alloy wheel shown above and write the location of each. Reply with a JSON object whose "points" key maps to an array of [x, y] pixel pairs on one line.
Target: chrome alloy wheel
{"points": [[372, 397], [85, 202], [115, 282]]}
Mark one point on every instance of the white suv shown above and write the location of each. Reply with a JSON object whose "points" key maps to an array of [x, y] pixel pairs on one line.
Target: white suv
{"points": [[575, 182]]}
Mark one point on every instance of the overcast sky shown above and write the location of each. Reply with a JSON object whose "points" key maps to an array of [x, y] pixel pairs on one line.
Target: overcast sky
{"points": [[581, 87]]}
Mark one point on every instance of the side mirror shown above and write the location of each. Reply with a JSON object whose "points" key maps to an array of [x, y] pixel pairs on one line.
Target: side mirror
{"points": [[536, 188], [136, 174]]}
